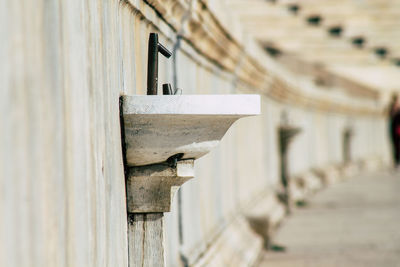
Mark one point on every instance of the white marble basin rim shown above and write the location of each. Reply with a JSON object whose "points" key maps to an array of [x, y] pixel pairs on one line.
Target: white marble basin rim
{"points": [[192, 104], [160, 126]]}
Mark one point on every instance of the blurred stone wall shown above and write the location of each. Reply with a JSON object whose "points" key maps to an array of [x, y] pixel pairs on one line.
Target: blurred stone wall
{"points": [[64, 65]]}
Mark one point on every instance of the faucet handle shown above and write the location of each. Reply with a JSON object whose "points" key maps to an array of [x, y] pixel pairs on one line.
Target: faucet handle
{"points": [[167, 89], [164, 51], [158, 47]]}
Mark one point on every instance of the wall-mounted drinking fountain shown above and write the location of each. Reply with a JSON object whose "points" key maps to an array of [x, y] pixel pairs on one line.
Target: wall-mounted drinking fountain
{"points": [[164, 134], [347, 138], [162, 129], [286, 133]]}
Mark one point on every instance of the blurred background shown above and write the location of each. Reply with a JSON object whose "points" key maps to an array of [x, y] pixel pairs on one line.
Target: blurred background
{"points": [[309, 182]]}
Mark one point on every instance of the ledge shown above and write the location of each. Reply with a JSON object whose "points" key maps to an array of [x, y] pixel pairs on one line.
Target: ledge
{"points": [[205, 34]]}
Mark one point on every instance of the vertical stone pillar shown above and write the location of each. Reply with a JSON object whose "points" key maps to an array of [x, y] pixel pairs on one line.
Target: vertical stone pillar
{"points": [[146, 239], [150, 190]]}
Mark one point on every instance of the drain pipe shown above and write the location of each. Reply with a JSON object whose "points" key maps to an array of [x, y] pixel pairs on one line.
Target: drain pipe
{"points": [[175, 49]]}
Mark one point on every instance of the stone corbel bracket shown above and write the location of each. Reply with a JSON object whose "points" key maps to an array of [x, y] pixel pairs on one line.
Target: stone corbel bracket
{"points": [[152, 188]]}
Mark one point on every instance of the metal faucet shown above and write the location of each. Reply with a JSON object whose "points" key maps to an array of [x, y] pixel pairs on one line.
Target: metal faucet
{"points": [[152, 65]]}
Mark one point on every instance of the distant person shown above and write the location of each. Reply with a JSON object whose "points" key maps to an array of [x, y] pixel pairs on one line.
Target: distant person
{"points": [[394, 127]]}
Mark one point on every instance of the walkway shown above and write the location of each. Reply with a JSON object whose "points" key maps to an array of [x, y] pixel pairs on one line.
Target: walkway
{"points": [[355, 223]]}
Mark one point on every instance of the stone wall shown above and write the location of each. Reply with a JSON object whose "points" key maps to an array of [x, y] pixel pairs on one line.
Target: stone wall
{"points": [[64, 65]]}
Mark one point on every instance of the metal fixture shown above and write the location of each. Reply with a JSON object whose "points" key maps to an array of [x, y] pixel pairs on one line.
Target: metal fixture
{"points": [[167, 89], [396, 62], [335, 31], [314, 20], [381, 52], [152, 63], [173, 160], [272, 50], [358, 41], [294, 8]]}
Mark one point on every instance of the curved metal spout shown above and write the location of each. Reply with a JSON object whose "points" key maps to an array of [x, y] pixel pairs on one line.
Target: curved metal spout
{"points": [[152, 63]]}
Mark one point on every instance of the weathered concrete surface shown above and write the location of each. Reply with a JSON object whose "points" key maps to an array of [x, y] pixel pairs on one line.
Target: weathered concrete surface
{"points": [[354, 223], [152, 188]]}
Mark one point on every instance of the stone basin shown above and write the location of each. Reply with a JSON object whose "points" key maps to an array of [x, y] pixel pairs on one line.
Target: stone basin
{"points": [[158, 127]]}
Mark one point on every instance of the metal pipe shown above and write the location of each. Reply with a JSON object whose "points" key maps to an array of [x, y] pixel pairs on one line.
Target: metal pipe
{"points": [[152, 62]]}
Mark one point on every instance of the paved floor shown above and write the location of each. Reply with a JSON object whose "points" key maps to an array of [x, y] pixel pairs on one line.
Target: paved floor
{"points": [[355, 223]]}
